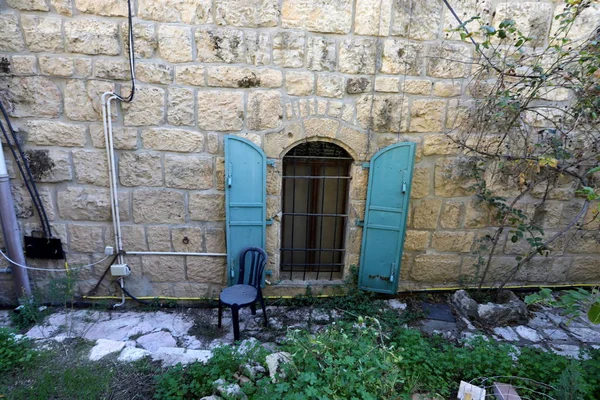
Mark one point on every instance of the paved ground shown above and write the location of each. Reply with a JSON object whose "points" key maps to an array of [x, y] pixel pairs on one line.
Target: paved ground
{"points": [[189, 335]]}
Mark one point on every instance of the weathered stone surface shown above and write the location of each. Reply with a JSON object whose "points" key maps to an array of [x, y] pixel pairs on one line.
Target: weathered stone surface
{"points": [[159, 238], [175, 43], [83, 101], [417, 20], [421, 183], [187, 239], [320, 53], [190, 75], [42, 33], [400, 57], [584, 269], [453, 177], [214, 239], [28, 5], [158, 205], [30, 96], [21, 65], [10, 34], [506, 333], [416, 240], [83, 204], [356, 140], [53, 133], [427, 116], [123, 138], [173, 140], [109, 8], [144, 36], [242, 77], [220, 45], [372, 17], [258, 48], [386, 84], [134, 238], [90, 167], [132, 354], [220, 111], [253, 13], [288, 49], [186, 172], [426, 214], [448, 60], [193, 12], [467, 9], [330, 85], [147, 109], [49, 165], [63, 7], [453, 241], [321, 127], [299, 83], [452, 212], [358, 56], [154, 73], [531, 18], [110, 68], [416, 86], [82, 67], [212, 143], [317, 15], [435, 268], [583, 25], [105, 347], [206, 207], [207, 269], [155, 340], [56, 66], [264, 110], [439, 144], [92, 36], [180, 109], [140, 169], [509, 309], [389, 113], [175, 355], [477, 215], [358, 85], [164, 268], [447, 89]]}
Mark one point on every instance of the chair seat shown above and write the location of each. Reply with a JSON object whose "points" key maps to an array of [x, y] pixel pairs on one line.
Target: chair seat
{"points": [[240, 295]]}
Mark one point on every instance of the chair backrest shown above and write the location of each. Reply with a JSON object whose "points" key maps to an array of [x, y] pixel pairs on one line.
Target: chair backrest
{"points": [[257, 259]]}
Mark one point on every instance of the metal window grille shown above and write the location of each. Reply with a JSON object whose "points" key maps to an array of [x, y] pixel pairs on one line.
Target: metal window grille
{"points": [[316, 177]]}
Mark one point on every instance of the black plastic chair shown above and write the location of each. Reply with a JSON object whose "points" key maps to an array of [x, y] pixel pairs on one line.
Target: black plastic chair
{"points": [[245, 293]]}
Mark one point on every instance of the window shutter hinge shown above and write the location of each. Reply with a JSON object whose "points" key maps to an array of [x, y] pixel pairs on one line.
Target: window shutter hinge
{"points": [[404, 187], [269, 221], [360, 222], [366, 165], [270, 162]]}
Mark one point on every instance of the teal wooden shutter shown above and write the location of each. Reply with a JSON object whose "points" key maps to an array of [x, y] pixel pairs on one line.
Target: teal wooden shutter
{"points": [[245, 197], [390, 177]]}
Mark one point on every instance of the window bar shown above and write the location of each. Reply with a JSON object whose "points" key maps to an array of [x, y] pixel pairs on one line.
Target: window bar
{"points": [[293, 217], [322, 210], [307, 225], [337, 192]]}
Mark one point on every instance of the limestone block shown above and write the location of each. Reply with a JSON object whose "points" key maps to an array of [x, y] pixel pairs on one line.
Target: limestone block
{"points": [[164, 268], [358, 56], [212, 143], [253, 13], [220, 45], [109, 68], [458, 113], [187, 239], [531, 18], [435, 268], [123, 138], [382, 113], [49, 165], [453, 177], [264, 110], [195, 12], [448, 60], [190, 75], [427, 116], [144, 36], [206, 207], [426, 214], [154, 73], [83, 100], [274, 180], [175, 43], [63, 7], [358, 186], [53, 133], [109, 8], [86, 238], [452, 213], [355, 139], [416, 240], [358, 85], [453, 241], [321, 127], [439, 144], [584, 269], [386, 84], [159, 238], [92, 36], [585, 23], [421, 182], [22, 199], [320, 53], [330, 85], [140, 169], [276, 143], [42, 33], [400, 57], [467, 9], [134, 238], [446, 89], [85, 204], [83, 67], [416, 86], [477, 215], [584, 242], [181, 107], [214, 239], [28, 5], [207, 269], [90, 167], [147, 109], [187, 172], [243, 77], [56, 66], [220, 111], [10, 34], [299, 83], [417, 20], [258, 48], [21, 65], [31, 96], [317, 15], [372, 17], [288, 49], [158, 205]]}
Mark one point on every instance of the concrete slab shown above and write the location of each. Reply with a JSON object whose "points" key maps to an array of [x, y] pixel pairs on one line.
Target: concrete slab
{"points": [[105, 347]]}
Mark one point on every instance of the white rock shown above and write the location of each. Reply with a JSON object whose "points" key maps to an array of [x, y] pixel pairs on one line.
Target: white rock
{"points": [[173, 355], [42, 331], [567, 350], [156, 340], [131, 354], [104, 347], [586, 335], [528, 333], [396, 304], [191, 342], [506, 333], [556, 334], [274, 360]]}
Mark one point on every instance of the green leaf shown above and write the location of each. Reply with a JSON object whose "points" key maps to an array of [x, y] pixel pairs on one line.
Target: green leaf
{"points": [[594, 313], [591, 171], [502, 34], [490, 30]]}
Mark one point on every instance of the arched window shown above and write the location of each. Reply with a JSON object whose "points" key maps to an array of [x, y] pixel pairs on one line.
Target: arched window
{"points": [[316, 179]]}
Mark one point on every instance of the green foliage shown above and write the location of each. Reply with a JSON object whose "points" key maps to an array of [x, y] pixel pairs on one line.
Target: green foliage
{"points": [[574, 303], [14, 352]]}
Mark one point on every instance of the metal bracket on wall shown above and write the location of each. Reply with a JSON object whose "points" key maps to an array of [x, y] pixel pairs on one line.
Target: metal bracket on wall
{"points": [[360, 222], [366, 165], [269, 221], [270, 162]]}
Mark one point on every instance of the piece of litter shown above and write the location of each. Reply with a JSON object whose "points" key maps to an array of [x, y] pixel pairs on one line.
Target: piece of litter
{"points": [[466, 391]]}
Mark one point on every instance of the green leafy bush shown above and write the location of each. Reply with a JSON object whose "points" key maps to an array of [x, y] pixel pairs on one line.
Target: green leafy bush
{"points": [[14, 351]]}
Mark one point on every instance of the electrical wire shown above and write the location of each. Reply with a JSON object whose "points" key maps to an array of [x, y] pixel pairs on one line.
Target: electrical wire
{"points": [[129, 98], [67, 270]]}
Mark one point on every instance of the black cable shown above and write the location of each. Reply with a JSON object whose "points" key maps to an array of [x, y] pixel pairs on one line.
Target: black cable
{"points": [[95, 288], [133, 297], [131, 57], [25, 171]]}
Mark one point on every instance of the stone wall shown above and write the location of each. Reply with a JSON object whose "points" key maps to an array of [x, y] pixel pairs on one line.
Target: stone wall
{"points": [[361, 73]]}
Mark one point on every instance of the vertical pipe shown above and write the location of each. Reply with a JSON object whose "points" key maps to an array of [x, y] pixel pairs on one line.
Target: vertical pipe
{"points": [[12, 234]]}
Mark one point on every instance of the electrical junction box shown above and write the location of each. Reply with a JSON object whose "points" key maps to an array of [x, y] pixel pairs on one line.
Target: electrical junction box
{"points": [[120, 270]]}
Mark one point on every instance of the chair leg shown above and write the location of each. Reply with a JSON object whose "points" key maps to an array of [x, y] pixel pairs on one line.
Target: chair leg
{"points": [[253, 308], [235, 316], [220, 313], [264, 310]]}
